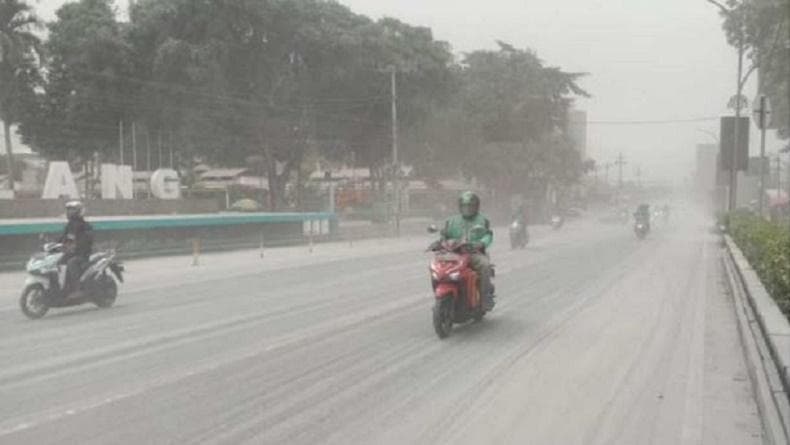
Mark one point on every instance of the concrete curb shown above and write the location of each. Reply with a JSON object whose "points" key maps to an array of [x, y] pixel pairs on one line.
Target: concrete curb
{"points": [[773, 323], [764, 334]]}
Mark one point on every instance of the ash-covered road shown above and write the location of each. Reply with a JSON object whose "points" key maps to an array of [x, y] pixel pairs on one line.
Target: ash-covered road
{"points": [[597, 338]]}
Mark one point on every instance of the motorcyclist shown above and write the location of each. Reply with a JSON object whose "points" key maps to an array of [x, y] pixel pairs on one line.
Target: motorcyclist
{"points": [[519, 218], [77, 240], [642, 214], [519, 215], [466, 227]]}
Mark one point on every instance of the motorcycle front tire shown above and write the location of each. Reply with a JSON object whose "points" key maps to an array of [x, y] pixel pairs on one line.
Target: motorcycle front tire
{"points": [[31, 293], [443, 317]]}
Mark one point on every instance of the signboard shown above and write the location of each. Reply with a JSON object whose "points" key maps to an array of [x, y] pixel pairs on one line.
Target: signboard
{"points": [[117, 182], [762, 112], [727, 138]]}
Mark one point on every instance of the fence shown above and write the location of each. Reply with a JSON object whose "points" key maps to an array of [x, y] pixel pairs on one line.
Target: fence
{"points": [[172, 235]]}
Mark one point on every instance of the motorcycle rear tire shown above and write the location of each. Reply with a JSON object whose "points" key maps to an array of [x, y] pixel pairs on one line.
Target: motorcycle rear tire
{"points": [[108, 292], [443, 317]]}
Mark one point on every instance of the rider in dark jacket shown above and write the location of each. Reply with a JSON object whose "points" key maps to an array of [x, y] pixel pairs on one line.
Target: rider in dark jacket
{"points": [[77, 240]]}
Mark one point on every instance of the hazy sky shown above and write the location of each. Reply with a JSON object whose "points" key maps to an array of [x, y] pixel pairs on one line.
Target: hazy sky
{"points": [[647, 59]]}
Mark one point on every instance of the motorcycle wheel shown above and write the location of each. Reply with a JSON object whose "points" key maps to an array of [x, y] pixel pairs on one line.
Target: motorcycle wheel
{"points": [[443, 317], [479, 314], [108, 292], [32, 302]]}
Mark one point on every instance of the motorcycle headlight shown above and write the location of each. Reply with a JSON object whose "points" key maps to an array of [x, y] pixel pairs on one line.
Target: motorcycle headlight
{"points": [[455, 276]]}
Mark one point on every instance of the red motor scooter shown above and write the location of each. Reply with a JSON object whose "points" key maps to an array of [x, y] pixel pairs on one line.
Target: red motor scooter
{"points": [[455, 285]]}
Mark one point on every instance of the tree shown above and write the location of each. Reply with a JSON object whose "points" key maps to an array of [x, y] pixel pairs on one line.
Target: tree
{"points": [[86, 94], [510, 115], [19, 56], [270, 79], [765, 28]]}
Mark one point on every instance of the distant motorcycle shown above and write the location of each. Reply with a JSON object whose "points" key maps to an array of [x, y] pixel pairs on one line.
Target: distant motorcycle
{"points": [[519, 236], [557, 222], [641, 229], [455, 286], [46, 278]]}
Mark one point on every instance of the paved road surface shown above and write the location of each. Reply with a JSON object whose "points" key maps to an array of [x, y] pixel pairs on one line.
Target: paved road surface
{"points": [[597, 339]]}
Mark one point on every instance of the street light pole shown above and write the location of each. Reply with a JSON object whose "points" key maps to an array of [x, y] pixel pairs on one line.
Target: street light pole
{"points": [[736, 131], [739, 91], [396, 167]]}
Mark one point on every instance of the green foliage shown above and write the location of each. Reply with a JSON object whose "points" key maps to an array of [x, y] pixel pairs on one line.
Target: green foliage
{"points": [[767, 247], [765, 27], [265, 83], [86, 94], [19, 69], [509, 122], [19, 54]]}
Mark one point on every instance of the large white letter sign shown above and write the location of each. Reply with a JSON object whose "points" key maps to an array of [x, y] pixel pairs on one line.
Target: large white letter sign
{"points": [[165, 184], [60, 182], [117, 181]]}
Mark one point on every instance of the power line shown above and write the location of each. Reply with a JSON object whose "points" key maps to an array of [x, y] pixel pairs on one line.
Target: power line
{"points": [[655, 122]]}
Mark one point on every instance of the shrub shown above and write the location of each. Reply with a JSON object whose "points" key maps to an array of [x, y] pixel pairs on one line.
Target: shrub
{"points": [[767, 247]]}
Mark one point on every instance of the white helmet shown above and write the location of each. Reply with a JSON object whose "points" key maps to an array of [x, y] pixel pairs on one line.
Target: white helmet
{"points": [[75, 209]]}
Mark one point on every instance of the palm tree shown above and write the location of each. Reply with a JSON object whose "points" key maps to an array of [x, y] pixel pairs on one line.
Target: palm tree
{"points": [[19, 50]]}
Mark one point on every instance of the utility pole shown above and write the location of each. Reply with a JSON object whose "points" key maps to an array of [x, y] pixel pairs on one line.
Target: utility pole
{"points": [[148, 157], [120, 139], [134, 146], [738, 17], [396, 171], [639, 176], [778, 172], [762, 114], [736, 136], [394, 88], [619, 163], [159, 142]]}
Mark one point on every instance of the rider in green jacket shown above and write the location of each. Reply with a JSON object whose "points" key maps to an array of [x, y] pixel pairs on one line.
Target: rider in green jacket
{"points": [[473, 227]]}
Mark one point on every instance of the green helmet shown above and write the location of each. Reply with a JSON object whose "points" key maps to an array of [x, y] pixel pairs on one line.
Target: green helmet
{"points": [[469, 204]]}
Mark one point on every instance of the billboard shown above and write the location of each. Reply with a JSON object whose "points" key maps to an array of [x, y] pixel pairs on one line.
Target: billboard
{"points": [[727, 138]]}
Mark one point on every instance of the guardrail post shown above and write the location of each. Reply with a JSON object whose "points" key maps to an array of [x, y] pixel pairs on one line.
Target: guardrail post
{"points": [[261, 242], [195, 251], [310, 236]]}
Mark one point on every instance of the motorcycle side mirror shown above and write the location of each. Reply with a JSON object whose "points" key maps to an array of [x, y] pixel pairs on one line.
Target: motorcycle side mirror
{"points": [[433, 229]]}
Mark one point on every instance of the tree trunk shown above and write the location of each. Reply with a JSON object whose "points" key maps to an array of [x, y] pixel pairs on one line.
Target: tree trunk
{"points": [[271, 169], [299, 188], [9, 150]]}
